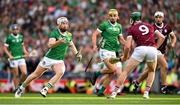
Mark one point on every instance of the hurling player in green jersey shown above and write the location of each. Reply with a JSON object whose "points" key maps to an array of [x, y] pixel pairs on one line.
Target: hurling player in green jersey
{"points": [[15, 49], [59, 41], [111, 32]]}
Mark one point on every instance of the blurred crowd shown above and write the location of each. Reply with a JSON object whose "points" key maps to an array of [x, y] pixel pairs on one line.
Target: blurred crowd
{"points": [[38, 17]]}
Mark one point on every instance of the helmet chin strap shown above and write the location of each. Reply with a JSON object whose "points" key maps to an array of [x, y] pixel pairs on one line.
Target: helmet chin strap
{"points": [[131, 21]]}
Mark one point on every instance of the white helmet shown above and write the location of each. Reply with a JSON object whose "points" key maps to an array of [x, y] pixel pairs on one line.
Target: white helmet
{"points": [[159, 13], [62, 19]]}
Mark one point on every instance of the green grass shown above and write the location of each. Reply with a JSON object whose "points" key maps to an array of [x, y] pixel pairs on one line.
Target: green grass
{"points": [[84, 99]]}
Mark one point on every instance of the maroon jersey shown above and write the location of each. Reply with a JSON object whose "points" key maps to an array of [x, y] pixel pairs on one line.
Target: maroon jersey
{"points": [[165, 30], [143, 34]]}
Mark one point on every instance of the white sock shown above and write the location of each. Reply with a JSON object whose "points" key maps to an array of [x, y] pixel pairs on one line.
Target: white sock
{"points": [[120, 89]]}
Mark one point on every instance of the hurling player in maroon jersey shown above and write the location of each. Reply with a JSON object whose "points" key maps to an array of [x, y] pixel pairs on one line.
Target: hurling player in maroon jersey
{"points": [[166, 30], [146, 50]]}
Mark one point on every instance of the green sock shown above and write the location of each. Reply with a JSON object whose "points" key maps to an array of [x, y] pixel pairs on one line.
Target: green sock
{"points": [[102, 90], [23, 85], [49, 85], [98, 73]]}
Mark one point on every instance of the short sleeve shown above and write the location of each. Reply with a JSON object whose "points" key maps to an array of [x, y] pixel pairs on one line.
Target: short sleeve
{"points": [[52, 35], [22, 39], [71, 36], [120, 32], [129, 32], [7, 41], [55, 34], [101, 27], [169, 29]]}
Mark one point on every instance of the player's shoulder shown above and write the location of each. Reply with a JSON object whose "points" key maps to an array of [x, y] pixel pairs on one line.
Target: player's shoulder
{"points": [[20, 35], [69, 33], [146, 23], [54, 30], [118, 24], [166, 25], [9, 36], [105, 22]]}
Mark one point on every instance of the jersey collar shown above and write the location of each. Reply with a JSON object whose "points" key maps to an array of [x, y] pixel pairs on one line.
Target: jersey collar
{"points": [[112, 24], [14, 35], [159, 26], [63, 34]]}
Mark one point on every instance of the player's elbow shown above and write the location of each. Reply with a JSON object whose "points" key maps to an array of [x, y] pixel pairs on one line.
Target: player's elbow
{"points": [[50, 45], [5, 48]]}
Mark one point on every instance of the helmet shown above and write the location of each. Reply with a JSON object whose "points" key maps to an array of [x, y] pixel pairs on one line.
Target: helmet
{"points": [[159, 13], [14, 27], [62, 19], [135, 16]]}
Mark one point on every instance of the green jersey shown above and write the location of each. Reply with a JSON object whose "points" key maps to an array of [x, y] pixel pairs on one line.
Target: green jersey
{"points": [[59, 52], [15, 45], [110, 33]]}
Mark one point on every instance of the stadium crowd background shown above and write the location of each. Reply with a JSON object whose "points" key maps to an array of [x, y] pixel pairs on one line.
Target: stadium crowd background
{"points": [[38, 17]]}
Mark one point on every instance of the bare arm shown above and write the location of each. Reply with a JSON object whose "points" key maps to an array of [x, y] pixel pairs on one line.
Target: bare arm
{"points": [[173, 39], [75, 51], [94, 39], [53, 43], [25, 51], [73, 47], [122, 40], [127, 47], [160, 38], [7, 52]]}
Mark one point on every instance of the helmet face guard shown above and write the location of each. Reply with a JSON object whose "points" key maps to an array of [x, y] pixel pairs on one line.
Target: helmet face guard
{"points": [[14, 27]]}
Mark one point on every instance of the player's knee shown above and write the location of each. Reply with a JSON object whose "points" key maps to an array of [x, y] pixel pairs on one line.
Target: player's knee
{"points": [[151, 70], [24, 74], [165, 67], [59, 74], [16, 76]]}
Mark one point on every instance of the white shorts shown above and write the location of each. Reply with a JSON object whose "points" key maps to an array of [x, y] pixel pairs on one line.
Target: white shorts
{"points": [[147, 53], [16, 63], [159, 54], [48, 62], [104, 54]]}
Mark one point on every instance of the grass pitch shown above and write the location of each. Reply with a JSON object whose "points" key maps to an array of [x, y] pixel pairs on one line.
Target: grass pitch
{"points": [[84, 99]]}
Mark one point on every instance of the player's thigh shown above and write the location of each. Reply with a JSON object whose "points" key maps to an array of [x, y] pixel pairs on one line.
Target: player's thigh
{"points": [[151, 54], [151, 66], [162, 61], [118, 66], [15, 71], [22, 66], [131, 65], [23, 69], [39, 70], [59, 68]]}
